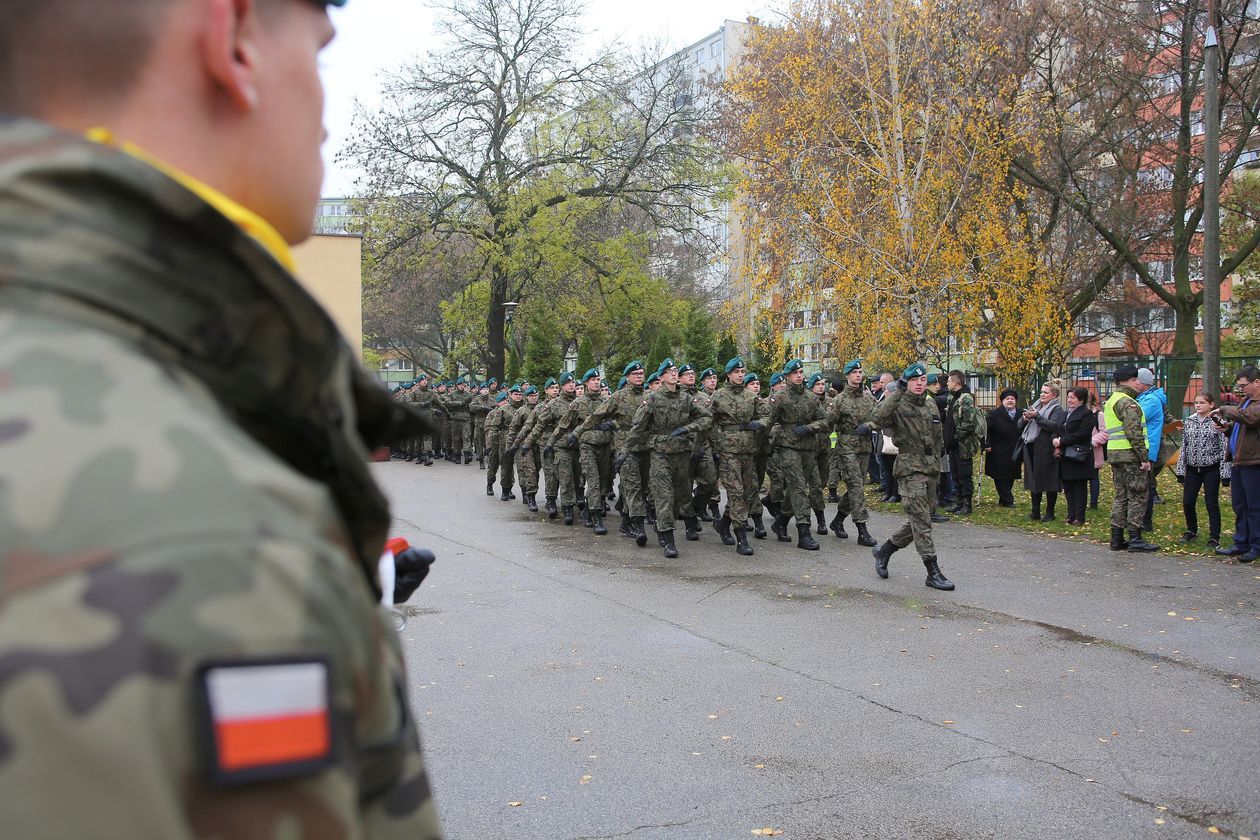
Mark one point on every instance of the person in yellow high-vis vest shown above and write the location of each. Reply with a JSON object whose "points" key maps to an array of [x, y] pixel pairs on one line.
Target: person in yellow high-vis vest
{"points": [[1127, 455]]}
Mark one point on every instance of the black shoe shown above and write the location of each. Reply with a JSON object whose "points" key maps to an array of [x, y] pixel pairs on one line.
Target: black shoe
{"points": [[703, 514], [1234, 550], [779, 526], [955, 507], [640, 533], [882, 555], [551, 509], [935, 579], [963, 509], [939, 517], [723, 527], [490, 490], [506, 496], [895, 499], [1118, 542], [1188, 537], [804, 539], [1213, 543], [713, 511], [467, 457], [409, 458], [759, 526], [693, 528], [831, 495], [770, 505], [568, 514], [837, 526], [1049, 517], [667, 543], [741, 542], [1137, 545], [821, 516], [1250, 557], [864, 535], [626, 528], [531, 502], [597, 523], [1035, 516]]}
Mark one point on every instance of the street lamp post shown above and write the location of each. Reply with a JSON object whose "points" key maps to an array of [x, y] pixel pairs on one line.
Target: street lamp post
{"points": [[509, 307]]}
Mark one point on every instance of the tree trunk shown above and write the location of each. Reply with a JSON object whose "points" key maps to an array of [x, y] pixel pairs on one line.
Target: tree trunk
{"points": [[1184, 347], [494, 327]]}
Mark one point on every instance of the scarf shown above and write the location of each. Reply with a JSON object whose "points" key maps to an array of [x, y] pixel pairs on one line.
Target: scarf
{"points": [[1034, 428]]}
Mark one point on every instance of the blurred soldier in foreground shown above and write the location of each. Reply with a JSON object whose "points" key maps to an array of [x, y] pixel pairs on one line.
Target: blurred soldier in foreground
{"points": [[191, 637]]}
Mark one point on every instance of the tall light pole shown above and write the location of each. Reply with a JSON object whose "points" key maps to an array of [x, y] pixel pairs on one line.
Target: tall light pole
{"points": [[1211, 206], [508, 308]]}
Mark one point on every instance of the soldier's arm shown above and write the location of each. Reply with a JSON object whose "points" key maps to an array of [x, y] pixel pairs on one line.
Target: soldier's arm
{"points": [[964, 418], [700, 418], [1134, 427], [383, 421], [636, 439], [606, 410], [886, 409]]}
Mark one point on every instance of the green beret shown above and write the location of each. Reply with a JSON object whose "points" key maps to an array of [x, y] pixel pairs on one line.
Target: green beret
{"points": [[734, 364], [686, 368], [776, 378], [530, 390], [652, 377], [666, 365], [852, 366], [813, 380], [501, 396], [621, 383], [793, 366], [914, 371], [593, 373], [492, 383], [707, 372], [420, 378], [515, 389], [567, 376], [632, 367], [752, 377], [933, 378], [461, 381], [551, 380]]}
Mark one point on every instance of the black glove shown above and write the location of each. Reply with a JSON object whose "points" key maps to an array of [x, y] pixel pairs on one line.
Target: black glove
{"points": [[753, 426], [1181, 479], [903, 383], [861, 430], [571, 440], [410, 568], [548, 450], [717, 459], [802, 431], [509, 452], [1224, 482], [606, 426], [679, 432], [696, 457], [619, 462]]}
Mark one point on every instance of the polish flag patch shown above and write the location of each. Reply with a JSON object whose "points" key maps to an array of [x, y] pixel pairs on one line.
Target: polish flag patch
{"points": [[265, 721]]}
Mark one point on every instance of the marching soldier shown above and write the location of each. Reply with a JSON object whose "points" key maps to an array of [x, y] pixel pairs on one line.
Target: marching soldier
{"points": [[796, 418], [592, 445], [494, 440], [752, 383], [631, 466], [527, 462], [457, 406], [910, 416], [541, 429], [850, 415], [480, 407], [817, 386], [567, 456], [507, 461], [734, 433], [425, 400]]}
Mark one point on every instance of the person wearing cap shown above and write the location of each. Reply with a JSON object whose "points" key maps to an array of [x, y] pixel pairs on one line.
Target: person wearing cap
{"points": [[423, 398], [514, 405], [494, 439], [1127, 454], [567, 454], [539, 429], [630, 465], [796, 419], [653, 381], [160, 158], [527, 464], [816, 384], [458, 404], [593, 447], [666, 423], [705, 499], [1154, 402], [734, 433], [703, 478], [850, 416], [480, 406], [1002, 436], [945, 483], [442, 446], [773, 499], [967, 424], [914, 423]]}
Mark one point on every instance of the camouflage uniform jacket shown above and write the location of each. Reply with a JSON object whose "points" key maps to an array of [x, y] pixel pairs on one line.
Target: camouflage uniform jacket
{"points": [[457, 405], [560, 432], [850, 409], [494, 425], [480, 406], [663, 411], [187, 513], [620, 408], [1134, 422], [734, 407], [520, 418], [577, 413], [968, 429], [704, 439], [424, 398], [915, 426], [792, 407], [544, 423]]}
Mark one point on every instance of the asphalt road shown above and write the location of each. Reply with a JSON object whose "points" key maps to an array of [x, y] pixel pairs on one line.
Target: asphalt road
{"points": [[574, 686]]}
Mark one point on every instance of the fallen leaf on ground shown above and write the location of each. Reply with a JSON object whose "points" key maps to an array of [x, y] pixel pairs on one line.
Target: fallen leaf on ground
{"points": [[585, 780], [947, 722], [760, 766], [516, 804], [767, 832]]}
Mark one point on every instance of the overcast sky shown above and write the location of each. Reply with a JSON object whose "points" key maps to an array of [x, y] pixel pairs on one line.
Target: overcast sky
{"points": [[376, 35]]}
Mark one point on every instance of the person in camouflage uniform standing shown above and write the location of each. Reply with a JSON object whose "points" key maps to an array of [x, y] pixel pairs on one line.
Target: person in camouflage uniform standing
{"points": [[666, 423], [796, 418], [507, 459], [752, 384], [631, 466], [592, 443], [494, 440], [541, 429], [1129, 459], [442, 447], [850, 416], [480, 407], [969, 432], [192, 638], [705, 497], [911, 417], [458, 407], [734, 433], [404, 449], [774, 500], [527, 460], [567, 456], [425, 400], [817, 386]]}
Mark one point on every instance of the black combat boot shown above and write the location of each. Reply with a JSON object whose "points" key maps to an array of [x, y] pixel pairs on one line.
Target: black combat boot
{"points": [[963, 508], [481, 462], [831, 494], [864, 535], [703, 514], [667, 543], [741, 542], [713, 509], [568, 514], [597, 522], [551, 508], [1118, 542], [804, 539], [410, 458], [779, 526], [428, 460], [467, 456], [626, 528], [489, 489], [531, 502], [821, 516], [640, 533], [723, 527], [837, 526], [506, 495], [938, 517], [770, 505], [759, 526], [882, 555], [693, 527], [935, 579], [1138, 545]]}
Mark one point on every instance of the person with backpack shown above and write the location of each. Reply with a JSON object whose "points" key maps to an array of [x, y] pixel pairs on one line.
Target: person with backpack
{"points": [[969, 433]]}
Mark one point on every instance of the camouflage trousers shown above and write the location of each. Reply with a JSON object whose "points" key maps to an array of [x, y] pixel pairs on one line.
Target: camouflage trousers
{"points": [[569, 475], [739, 480], [761, 461], [479, 436], [705, 477], [597, 469], [835, 467], [798, 473], [507, 469], [1131, 485], [817, 499], [633, 479], [446, 435], [775, 472], [461, 434], [527, 469], [493, 453], [851, 473], [551, 478], [918, 495], [669, 478]]}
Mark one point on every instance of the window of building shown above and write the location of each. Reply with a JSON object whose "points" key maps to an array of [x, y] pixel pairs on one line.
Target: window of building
{"points": [[715, 48]]}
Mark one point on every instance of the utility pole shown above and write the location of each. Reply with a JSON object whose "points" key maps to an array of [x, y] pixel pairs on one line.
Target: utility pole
{"points": [[1211, 206]]}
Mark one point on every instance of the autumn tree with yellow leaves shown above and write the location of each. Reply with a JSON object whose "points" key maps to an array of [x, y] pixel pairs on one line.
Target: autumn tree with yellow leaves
{"points": [[876, 159]]}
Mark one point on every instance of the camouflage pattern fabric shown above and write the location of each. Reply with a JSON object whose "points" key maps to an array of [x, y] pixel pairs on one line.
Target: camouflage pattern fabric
{"points": [[426, 400], [797, 459], [918, 495], [208, 504], [914, 423], [733, 407], [703, 469], [494, 442], [480, 407], [670, 483], [596, 459], [852, 475], [1131, 484]]}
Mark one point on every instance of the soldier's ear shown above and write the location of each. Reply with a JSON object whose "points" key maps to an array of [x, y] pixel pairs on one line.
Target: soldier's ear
{"points": [[230, 52]]}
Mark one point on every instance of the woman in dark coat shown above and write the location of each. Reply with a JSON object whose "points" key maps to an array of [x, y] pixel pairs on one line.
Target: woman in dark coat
{"points": [[1038, 426], [1076, 433], [999, 448]]}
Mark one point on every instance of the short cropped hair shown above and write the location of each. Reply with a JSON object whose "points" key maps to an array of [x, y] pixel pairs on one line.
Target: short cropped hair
{"points": [[1249, 372]]}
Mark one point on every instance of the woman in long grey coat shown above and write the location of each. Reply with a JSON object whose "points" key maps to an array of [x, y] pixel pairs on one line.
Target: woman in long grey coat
{"points": [[1041, 471]]}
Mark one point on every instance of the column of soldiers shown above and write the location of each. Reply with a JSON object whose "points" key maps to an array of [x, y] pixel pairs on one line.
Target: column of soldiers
{"points": [[672, 438]]}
